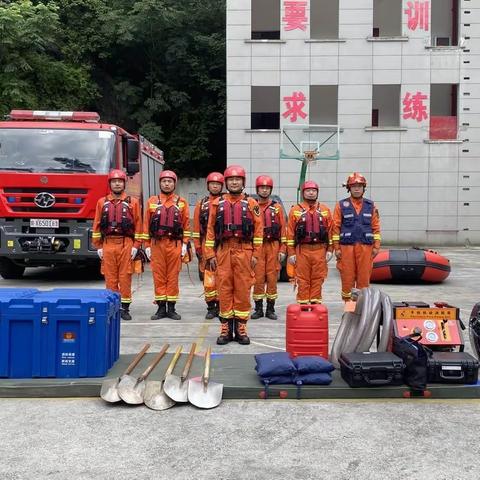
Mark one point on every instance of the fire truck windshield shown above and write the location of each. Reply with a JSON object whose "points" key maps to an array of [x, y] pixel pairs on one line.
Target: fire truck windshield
{"points": [[56, 150]]}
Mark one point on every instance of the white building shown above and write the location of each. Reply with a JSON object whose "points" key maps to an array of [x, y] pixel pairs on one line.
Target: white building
{"points": [[402, 80]]}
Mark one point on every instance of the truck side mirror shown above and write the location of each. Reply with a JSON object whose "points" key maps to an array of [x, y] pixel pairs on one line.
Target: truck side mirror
{"points": [[132, 150], [133, 168]]}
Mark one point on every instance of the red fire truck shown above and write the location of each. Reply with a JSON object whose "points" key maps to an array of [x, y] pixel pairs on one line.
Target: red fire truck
{"points": [[53, 169]]}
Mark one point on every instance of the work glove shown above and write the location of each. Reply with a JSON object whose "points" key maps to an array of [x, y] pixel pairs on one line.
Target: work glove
{"points": [[134, 253], [328, 256], [292, 260], [100, 253], [184, 249], [281, 257], [148, 253]]}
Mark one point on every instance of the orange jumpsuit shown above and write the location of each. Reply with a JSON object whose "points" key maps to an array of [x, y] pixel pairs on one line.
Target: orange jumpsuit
{"points": [[356, 262], [311, 264], [235, 276], [198, 236], [267, 267], [166, 252], [117, 250]]}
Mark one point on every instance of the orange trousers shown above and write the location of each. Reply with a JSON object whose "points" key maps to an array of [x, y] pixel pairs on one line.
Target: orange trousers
{"points": [[266, 271], [166, 265], [117, 266], [355, 266], [210, 293], [311, 272], [235, 278]]}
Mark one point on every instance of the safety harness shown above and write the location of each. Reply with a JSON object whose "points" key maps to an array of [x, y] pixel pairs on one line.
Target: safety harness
{"points": [[311, 227], [271, 222], [204, 213], [356, 228], [117, 218], [166, 221], [233, 220]]}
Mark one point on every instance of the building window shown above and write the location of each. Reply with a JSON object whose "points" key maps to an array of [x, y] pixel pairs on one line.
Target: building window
{"points": [[386, 106], [265, 19], [387, 18], [324, 104], [443, 111], [265, 108], [323, 19], [444, 23]]}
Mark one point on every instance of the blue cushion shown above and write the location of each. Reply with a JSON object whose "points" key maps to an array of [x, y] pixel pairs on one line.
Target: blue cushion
{"points": [[277, 363], [312, 364], [314, 379], [277, 379]]}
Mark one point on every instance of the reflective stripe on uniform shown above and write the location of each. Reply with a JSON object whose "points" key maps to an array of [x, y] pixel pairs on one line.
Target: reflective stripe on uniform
{"points": [[172, 299], [195, 235], [258, 296], [228, 314], [160, 298], [335, 238], [241, 314], [213, 293], [272, 296], [126, 300], [209, 243], [96, 235]]}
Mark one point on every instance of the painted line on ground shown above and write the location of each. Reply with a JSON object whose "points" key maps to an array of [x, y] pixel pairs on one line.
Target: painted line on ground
{"points": [[268, 346]]}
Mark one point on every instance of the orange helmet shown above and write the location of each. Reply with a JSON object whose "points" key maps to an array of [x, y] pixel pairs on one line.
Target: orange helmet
{"points": [[215, 177], [120, 174], [309, 184], [168, 174], [264, 181], [235, 171], [356, 177]]}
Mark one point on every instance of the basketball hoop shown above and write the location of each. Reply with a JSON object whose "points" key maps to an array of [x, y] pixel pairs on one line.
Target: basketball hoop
{"points": [[310, 155]]}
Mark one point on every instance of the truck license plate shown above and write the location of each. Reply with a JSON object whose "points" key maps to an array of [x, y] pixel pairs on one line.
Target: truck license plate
{"points": [[44, 223]]}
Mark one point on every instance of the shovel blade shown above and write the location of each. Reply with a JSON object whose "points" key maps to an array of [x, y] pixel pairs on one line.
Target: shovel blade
{"points": [[109, 390], [201, 397], [176, 389], [130, 391], [155, 397]]}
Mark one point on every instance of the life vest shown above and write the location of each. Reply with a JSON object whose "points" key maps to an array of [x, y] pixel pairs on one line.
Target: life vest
{"points": [[117, 219], [204, 213], [166, 221], [356, 228], [233, 220], [311, 227], [271, 222]]}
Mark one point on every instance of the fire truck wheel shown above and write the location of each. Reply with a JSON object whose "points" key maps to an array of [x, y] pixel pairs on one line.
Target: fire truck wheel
{"points": [[9, 270]]}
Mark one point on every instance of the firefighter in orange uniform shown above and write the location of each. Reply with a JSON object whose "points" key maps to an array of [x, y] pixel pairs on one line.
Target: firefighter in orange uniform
{"points": [[200, 220], [356, 236], [117, 235], [232, 247], [309, 243], [166, 236], [273, 250]]}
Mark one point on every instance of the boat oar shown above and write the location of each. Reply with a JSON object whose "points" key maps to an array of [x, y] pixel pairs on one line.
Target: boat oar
{"points": [[131, 389], [201, 392], [155, 397], [176, 387], [109, 390]]}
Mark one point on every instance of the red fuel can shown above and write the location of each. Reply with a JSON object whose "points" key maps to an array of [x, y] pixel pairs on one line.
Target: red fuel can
{"points": [[307, 330]]}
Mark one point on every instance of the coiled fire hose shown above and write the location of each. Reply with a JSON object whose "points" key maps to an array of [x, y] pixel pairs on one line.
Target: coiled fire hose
{"points": [[372, 318]]}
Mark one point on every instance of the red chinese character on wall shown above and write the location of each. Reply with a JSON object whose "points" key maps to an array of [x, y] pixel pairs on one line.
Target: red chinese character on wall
{"points": [[414, 108], [295, 15], [418, 15], [294, 105]]}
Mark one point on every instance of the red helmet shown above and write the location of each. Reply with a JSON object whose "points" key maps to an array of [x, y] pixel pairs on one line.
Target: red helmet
{"points": [[215, 177], [117, 174], [264, 181], [356, 177], [168, 174], [309, 184], [234, 171]]}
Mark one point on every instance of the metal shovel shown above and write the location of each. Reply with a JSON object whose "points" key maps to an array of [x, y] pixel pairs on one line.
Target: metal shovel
{"points": [[109, 390], [176, 387], [131, 389], [201, 392], [154, 396]]}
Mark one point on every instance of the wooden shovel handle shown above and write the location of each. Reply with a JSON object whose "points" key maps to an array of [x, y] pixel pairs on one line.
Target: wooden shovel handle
{"points": [[154, 363], [173, 361], [186, 370], [137, 359], [206, 372]]}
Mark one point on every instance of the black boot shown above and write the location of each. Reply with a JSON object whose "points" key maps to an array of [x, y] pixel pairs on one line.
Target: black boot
{"points": [[258, 313], [217, 310], [125, 313], [226, 332], [270, 311], [171, 313], [161, 311], [241, 332], [211, 310]]}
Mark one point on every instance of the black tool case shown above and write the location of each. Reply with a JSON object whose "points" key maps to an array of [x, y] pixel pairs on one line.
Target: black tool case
{"points": [[452, 367], [371, 369]]}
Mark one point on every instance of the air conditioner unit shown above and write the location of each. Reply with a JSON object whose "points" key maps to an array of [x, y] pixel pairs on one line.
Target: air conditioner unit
{"points": [[441, 41]]}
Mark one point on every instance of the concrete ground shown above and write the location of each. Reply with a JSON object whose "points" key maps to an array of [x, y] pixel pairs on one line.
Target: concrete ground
{"points": [[85, 438]]}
